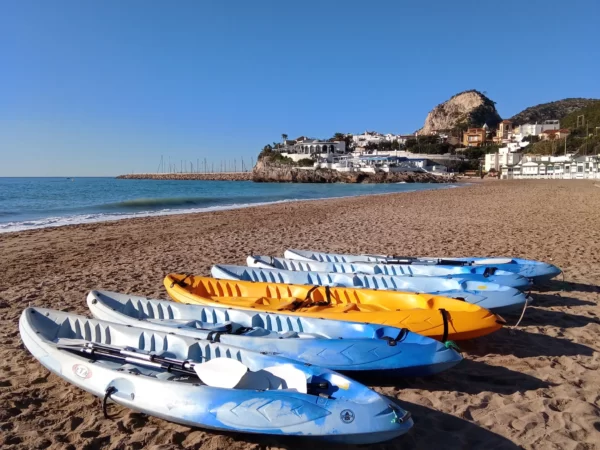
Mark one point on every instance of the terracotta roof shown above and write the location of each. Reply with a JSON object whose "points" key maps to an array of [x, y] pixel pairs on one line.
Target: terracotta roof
{"points": [[507, 121]]}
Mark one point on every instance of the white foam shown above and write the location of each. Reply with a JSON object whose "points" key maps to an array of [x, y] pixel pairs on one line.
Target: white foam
{"points": [[49, 222]]}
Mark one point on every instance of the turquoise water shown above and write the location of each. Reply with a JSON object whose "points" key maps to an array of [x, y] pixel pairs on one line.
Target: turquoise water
{"points": [[27, 203]]}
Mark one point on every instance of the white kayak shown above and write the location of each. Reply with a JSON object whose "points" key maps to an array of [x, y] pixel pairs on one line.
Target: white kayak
{"points": [[205, 384]]}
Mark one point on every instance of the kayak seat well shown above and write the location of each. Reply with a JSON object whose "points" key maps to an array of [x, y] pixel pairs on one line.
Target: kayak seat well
{"points": [[230, 373]]}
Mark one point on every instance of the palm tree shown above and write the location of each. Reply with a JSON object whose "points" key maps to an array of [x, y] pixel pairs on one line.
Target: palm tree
{"points": [[284, 137]]}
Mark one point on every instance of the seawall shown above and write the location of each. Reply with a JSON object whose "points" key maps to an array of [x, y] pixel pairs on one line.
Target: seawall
{"points": [[224, 176]]}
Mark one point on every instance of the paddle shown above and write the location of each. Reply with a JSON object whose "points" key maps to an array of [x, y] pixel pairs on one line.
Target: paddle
{"points": [[221, 372], [492, 261], [217, 372]]}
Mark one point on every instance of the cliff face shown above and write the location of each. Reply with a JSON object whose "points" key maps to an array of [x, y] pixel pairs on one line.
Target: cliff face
{"points": [[268, 173], [553, 110], [469, 108]]}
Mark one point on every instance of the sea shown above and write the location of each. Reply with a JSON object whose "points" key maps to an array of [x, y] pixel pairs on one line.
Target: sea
{"points": [[29, 203]]}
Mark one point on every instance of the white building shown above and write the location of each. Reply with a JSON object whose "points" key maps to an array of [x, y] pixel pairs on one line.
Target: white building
{"points": [[553, 167], [307, 148], [508, 155], [373, 137], [390, 164], [368, 137], [535, 129], [428, 165]]}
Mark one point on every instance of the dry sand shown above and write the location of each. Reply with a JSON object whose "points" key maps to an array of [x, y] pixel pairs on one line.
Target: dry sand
{"points": [[537, 386]]}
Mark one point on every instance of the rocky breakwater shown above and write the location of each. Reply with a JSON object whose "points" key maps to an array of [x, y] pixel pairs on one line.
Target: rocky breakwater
{"points": [[224, 176], [270, 173]]}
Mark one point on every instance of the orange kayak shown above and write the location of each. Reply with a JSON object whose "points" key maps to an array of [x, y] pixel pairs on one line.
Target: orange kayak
{"points": [[438, 317]]}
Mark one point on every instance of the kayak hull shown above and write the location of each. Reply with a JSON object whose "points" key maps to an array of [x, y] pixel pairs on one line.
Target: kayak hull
{"points": [[348, 351], [438, 317], [537, 271], [495, 297], [353, 414], [461, 273]]}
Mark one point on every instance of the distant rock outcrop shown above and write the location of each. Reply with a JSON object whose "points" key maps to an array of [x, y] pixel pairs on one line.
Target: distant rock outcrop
{"points": [[553, 110], [271, 173], [467, 109]]}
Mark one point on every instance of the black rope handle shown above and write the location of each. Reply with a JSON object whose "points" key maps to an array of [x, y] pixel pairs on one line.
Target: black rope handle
{"points": [[180, 282], [393, 341], [214, 336], [445, 319], [109, 391]]}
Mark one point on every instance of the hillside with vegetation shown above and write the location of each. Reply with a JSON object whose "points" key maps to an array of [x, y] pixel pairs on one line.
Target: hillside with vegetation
{"points": [[591, 116], [583, 139], [552, 110]]}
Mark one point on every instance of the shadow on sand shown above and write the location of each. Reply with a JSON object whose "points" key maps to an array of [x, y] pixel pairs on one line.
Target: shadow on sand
{"points": [[469, 377], [537, 316], [557, 299], [435, 429], [566, 286], [522, 344]]}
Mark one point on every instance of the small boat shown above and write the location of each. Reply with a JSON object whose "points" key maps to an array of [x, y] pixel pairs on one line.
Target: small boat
{"points": [[438, 317], [208, 384], [464, 273], [536, 271], [340, 346], [495, 297]]}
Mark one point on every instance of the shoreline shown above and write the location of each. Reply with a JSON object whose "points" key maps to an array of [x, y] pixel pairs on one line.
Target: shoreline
{"points": [[534, 386], [83, 219]]}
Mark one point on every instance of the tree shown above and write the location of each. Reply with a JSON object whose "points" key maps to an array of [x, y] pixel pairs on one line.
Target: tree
{"points": [[347, 138], [531, 138], [410, 143], [284, 137]]}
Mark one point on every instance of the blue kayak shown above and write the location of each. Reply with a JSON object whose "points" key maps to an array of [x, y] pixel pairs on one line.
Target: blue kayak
{"points": [[208, 384], [495, 297], [337, 345], [464, 273], [536, 271]]}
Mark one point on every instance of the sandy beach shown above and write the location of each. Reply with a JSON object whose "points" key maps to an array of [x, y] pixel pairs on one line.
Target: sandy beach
{"points": [[536, 386]]}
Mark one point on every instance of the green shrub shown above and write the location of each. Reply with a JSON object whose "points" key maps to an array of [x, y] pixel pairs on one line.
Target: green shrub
{"points": [[305, 162]]}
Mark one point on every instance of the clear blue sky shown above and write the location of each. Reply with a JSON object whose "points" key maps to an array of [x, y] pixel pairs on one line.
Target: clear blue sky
{"points": [[105, 87]]}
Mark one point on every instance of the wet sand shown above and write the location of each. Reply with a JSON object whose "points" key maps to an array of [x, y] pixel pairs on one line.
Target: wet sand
{"points": [[536, 386]]}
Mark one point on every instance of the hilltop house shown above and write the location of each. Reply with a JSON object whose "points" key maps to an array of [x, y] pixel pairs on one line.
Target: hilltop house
{"points": [[536, 129], [504, 131], [373, 137], [474, 137], [554, 134], [303, 147]]}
